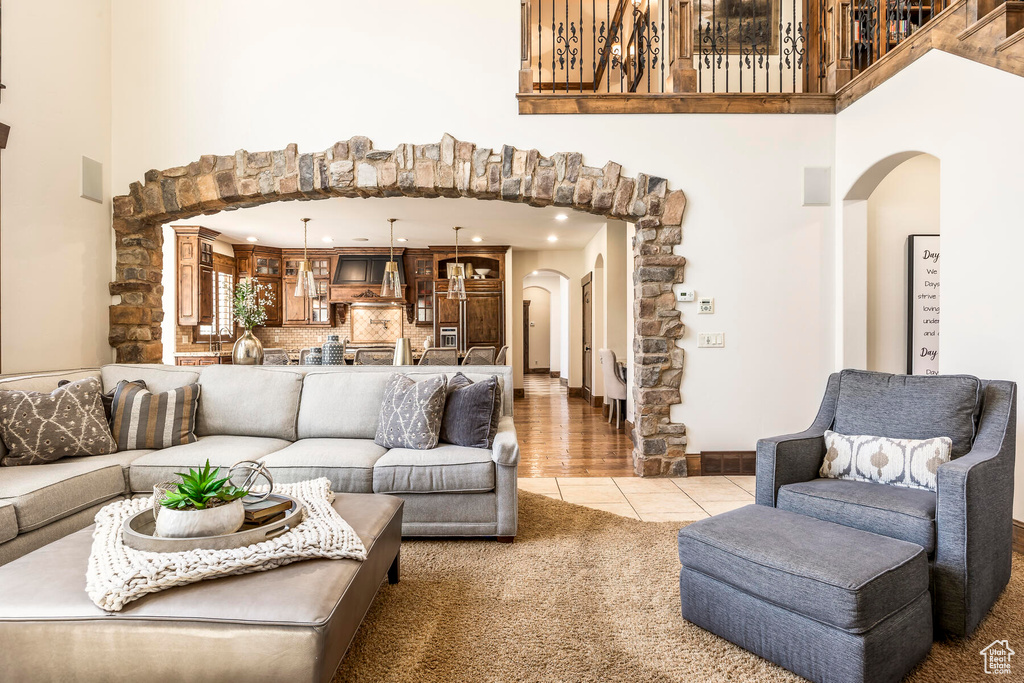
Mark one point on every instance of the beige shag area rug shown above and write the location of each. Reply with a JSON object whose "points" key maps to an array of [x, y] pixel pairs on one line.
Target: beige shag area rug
{"points": [[584, 595]]}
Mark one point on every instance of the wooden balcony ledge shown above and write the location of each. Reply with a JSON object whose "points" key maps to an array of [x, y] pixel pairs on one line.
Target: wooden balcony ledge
{"points": [[676, 103]]}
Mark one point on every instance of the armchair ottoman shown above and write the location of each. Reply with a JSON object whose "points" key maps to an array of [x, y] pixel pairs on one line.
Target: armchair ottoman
{"points": [[830, 603]]}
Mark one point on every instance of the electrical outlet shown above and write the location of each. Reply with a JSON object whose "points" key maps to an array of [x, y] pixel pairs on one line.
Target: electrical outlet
{"points": [[706, 305], [685, 294], [711, 340]]}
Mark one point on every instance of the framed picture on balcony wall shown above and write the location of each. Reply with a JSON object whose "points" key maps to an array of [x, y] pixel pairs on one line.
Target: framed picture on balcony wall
{"points": [[734, 27]]}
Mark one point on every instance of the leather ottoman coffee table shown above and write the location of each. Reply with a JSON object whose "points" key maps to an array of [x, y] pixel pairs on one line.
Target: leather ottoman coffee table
{"points": [[290, 624]]}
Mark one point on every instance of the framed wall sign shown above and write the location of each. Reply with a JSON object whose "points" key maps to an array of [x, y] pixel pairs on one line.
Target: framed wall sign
{"points": [[923, 305]]}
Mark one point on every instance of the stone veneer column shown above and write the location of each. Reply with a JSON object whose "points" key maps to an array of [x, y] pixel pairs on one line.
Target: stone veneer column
{"points": [[450, 168]]}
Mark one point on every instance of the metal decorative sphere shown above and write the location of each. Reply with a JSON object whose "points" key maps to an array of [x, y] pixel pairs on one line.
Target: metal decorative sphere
{"points": [[247, 474]]}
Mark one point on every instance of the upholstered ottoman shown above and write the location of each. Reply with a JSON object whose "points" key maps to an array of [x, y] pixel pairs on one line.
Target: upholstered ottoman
{"points": [[825, 601], [293, 623]]}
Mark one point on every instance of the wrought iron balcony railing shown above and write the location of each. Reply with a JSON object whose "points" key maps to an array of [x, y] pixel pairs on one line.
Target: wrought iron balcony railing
{"points": [[654, 47]]}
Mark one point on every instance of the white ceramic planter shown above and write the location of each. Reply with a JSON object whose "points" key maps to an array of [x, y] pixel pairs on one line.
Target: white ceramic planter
{"points": [[223, 519]]}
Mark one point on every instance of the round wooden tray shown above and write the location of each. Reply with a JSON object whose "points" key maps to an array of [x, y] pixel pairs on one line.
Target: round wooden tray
{"points": [[139, 532]]}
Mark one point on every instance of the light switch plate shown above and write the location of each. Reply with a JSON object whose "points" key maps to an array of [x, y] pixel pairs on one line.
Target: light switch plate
{"points": [[706, 305], [685, 294], [711, 340]]}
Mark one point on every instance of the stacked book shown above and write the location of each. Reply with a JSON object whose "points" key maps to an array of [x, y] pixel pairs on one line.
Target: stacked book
{"points": [[266, 511]]}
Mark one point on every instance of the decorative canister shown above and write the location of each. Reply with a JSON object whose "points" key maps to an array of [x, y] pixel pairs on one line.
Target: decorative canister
{"points": [[315, 356], [333, 351]]}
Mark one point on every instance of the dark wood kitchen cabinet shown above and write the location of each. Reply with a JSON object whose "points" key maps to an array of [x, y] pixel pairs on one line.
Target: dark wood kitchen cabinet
{"points": [[266, 265], [195, 281]]}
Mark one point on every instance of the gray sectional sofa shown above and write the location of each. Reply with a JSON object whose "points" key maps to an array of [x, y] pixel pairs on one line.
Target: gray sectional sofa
{"points": [[302, 422]]}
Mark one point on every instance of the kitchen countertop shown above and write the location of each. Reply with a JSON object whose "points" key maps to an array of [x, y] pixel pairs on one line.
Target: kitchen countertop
{"points": [[201, 354]]}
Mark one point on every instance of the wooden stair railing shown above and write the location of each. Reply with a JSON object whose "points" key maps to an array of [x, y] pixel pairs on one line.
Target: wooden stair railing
{"points": [[990, 32], [980, 30]]}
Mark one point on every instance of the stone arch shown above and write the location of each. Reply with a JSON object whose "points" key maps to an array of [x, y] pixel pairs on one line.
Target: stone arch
{"points": [[449, 168]]}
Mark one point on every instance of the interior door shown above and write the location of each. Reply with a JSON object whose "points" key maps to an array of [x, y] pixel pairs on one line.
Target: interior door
{"points": [[483, 320], [526, 335], [588, 335]]}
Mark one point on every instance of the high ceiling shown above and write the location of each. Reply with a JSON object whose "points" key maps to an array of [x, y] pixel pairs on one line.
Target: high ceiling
{"points": [[423, 222]]}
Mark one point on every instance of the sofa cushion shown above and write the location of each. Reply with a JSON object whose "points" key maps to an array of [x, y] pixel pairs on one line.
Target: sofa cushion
{"points": [[248, 401], [410, 414], [222, 451], [454, 469], [45, 381], [38, 428], [471, 412], [909, 406], [902, 513], [324, 393], [142, 419], [843, 577], [158, 378], [45, 493], [8, 521], [347, 463]]}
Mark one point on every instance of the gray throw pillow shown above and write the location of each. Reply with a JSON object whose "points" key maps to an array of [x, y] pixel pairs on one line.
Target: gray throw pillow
{"points": [[39, 428], [471, 412], [410, 414]]}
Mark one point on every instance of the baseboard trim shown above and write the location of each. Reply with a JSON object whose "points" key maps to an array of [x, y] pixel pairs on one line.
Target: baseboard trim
{"points": [[554, 374], [629, 429], [574, 392], [727, 462], [519, 393], [1018, 536], [596, 401], [564, 381], [540, 371], [693, 465]]}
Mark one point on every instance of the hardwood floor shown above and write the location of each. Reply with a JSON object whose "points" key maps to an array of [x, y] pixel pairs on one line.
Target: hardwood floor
{"points": [[562, 436]]}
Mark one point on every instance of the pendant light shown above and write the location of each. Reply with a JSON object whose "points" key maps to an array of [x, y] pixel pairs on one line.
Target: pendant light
{"points": [[391, 288], [306, 284], [456, 274]]}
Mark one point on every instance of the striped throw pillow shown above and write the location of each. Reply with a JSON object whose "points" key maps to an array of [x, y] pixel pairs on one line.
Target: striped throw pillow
{"points": [[141, 419]]}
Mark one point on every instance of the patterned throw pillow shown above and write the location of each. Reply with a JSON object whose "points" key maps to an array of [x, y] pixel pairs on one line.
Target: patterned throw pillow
{"points": [[108, 398], [471, 412], [410, 415], [145, 420], [911, 463], [39, 428]]}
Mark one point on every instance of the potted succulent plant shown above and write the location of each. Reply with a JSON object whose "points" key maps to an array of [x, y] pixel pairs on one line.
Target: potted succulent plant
{"points": [[202, 505]]}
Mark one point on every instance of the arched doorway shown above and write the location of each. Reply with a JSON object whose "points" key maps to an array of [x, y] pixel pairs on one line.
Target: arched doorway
{"points": [[449, 168], [895, 198]]}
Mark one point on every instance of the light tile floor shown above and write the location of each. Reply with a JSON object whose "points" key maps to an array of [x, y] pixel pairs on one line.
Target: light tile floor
{"points": [[650, 500]]}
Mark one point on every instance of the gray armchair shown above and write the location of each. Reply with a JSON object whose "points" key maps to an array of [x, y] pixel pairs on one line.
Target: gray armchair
{"points": [[966, 526]]}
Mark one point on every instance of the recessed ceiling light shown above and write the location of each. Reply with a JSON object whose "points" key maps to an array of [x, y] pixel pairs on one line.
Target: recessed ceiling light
{"points": [[553, 238], [478, 239], [360, 239], [533, 273], [328, 238], [562, 217], [251, 239], [401, 239]]}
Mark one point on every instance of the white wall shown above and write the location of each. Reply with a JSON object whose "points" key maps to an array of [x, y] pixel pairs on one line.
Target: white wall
{"points": [[194, 77], [961, 113], [558, 328], [540, 326], [905, 203], [56, 246]]}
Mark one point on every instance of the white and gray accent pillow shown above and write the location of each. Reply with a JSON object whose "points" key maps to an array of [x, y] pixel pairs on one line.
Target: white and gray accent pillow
{"points": [[910, 463], [410, 414], [39, 428]]}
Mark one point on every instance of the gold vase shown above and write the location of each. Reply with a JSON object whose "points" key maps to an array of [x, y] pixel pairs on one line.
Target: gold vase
{"points": [[248, 350]]}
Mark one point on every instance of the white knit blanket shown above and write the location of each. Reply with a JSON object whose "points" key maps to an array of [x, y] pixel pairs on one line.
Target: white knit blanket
{"points": [[118, 574]]}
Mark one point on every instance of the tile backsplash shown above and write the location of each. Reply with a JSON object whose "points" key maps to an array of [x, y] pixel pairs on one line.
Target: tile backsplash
{"points": [[294, 338]]}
